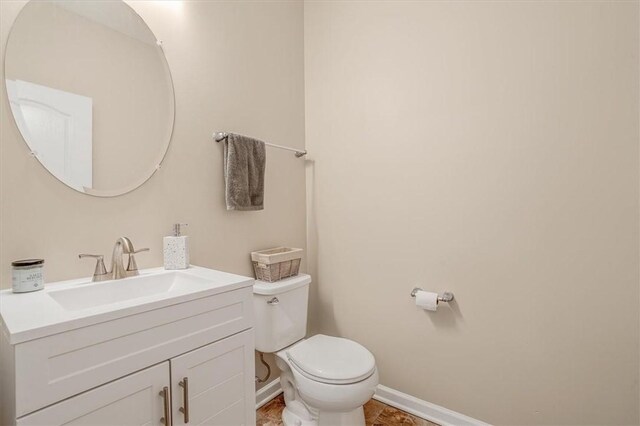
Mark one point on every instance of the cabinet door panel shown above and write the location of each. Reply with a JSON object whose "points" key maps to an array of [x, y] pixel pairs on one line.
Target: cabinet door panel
{"points": [[206, 406], [227, 416], [131, 401], [220, 381]]}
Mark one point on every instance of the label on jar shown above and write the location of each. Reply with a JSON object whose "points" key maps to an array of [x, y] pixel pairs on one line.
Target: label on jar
{"points": [[28, 279]]}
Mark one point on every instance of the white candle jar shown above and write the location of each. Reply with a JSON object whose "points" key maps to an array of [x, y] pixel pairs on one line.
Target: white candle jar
{"points": [[27, 275]]}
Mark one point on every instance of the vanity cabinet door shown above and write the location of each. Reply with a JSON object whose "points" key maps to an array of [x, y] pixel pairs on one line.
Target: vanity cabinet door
{"points": [[215, 385], [133, 400]]}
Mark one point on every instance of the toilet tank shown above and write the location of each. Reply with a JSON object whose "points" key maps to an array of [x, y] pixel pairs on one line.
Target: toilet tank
{"points": [[280, 312]]}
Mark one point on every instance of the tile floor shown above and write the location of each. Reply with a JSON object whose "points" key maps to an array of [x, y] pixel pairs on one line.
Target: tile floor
{"points": [[376, 414]]}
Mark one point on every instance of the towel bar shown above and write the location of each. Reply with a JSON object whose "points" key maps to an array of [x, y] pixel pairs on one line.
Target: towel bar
{"points": [[220, 136]]}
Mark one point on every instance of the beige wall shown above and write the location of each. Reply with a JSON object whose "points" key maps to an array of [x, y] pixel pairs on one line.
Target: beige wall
{"points": [[236, 66], [490, 149]]}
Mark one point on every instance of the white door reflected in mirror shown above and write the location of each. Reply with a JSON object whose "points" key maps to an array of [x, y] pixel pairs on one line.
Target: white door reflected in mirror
{"points": [[91, 93], [57, 127]]}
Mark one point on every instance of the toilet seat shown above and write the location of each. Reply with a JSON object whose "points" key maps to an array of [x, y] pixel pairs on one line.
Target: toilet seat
{"points": [[331, 360]]}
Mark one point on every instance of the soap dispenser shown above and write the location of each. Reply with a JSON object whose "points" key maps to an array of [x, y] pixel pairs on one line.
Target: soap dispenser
{"points": [[176, 249]]}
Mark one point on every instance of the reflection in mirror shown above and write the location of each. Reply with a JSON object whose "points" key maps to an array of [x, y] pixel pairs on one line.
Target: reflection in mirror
{"points": [[91, 93]]}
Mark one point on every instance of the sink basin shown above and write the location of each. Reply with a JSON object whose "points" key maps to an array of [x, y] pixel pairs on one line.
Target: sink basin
{"points": [[109, 292], [68, 305]]}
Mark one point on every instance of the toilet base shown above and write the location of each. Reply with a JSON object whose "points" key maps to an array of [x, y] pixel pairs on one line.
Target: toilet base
{"points": [[296, 412], [289, 418], [299, 413]]}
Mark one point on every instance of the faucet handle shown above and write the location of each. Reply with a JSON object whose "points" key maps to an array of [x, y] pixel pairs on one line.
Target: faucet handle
{"points": [[100, 273], [132, 267]]}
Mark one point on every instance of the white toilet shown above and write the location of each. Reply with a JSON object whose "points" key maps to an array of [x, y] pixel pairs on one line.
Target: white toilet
{"points": [[326, 380]]}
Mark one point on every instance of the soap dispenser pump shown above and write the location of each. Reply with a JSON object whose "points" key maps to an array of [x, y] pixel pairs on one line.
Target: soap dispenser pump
{"points": [[176, 249]]}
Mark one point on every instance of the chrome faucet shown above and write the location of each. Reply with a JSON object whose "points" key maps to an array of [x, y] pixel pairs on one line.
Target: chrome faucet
{"points": [[118, 271]]}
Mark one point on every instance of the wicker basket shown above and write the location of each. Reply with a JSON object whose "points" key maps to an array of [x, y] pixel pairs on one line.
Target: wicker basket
{"points": [[277, 263]]}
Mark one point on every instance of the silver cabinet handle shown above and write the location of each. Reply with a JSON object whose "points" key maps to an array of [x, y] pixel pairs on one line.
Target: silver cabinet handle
{"points": [[273, 301], [184, 383], [166, 420]]}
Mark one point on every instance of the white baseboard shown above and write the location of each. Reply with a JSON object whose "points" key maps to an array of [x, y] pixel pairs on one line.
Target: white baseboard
{"points": [[402, 401], [423, 409], [268, 392]]}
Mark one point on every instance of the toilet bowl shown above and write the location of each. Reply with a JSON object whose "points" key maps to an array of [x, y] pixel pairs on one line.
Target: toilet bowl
{"points": [[326, 380]]}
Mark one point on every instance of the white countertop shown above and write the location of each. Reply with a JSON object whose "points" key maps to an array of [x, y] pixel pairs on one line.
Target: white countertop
{"points": [[28, 316]]}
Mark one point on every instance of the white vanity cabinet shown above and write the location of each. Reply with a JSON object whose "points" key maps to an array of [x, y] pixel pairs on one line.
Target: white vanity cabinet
{"points": [[208, 386], [111, 366]]}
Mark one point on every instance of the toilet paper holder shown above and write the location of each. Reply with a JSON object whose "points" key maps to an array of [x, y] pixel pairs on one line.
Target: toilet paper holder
{"points": [[447, 296]]}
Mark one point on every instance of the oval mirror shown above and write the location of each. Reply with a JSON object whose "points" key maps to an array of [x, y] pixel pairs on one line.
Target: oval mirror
{"points": [[91, 93]]}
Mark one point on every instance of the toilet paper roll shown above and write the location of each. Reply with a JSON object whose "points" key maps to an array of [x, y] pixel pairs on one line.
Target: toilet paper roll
{"points": [[427, 300]]}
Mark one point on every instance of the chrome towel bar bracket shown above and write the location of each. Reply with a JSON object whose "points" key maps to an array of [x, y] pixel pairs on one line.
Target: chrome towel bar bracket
{"points": [[220, 136], [447, 296]]}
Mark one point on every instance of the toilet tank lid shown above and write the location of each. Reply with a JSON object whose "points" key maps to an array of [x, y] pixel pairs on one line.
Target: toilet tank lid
{"points": [[268, 289]]}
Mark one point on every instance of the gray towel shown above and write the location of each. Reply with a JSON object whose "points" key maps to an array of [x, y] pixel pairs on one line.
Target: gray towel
{"points": [[244, 163]]}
